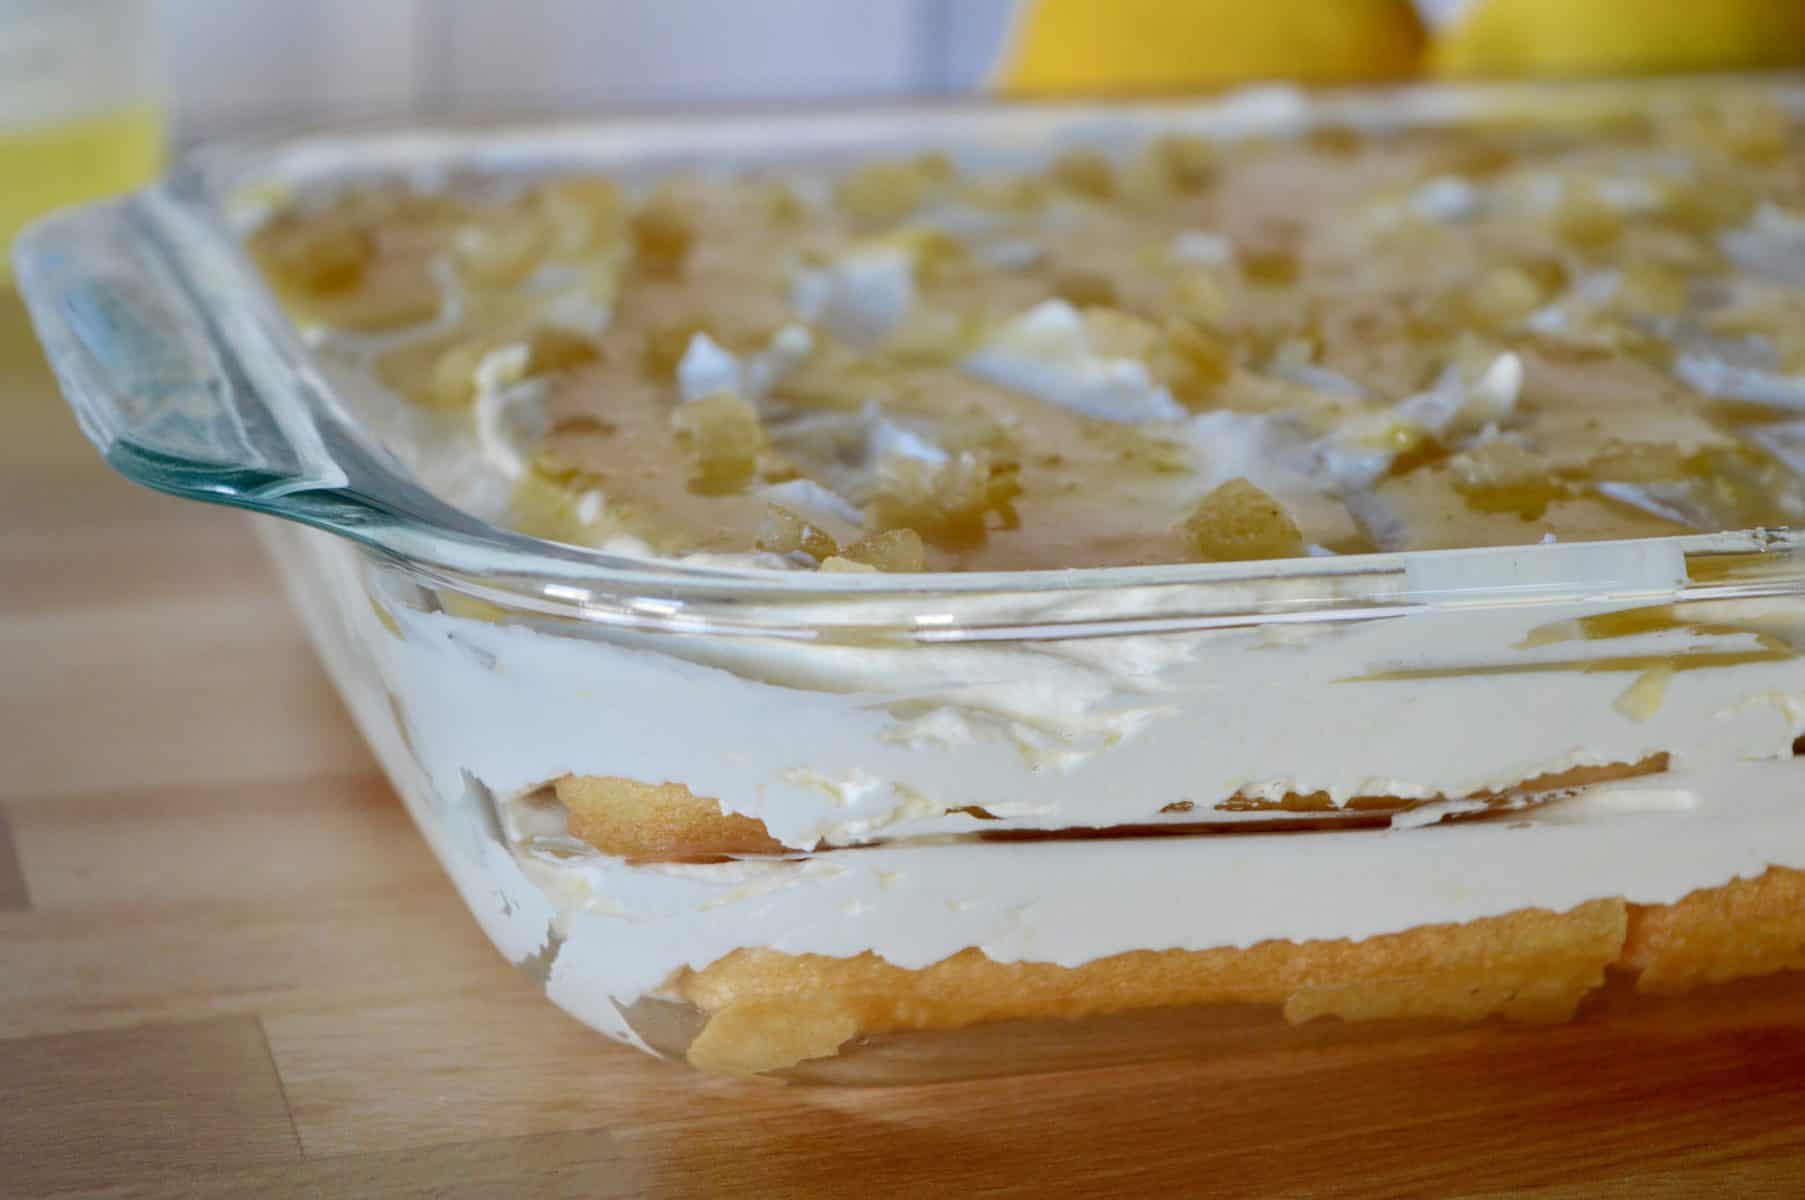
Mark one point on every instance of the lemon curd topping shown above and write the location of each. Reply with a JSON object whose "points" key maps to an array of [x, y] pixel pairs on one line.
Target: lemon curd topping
{"points": [[1178, 350]]}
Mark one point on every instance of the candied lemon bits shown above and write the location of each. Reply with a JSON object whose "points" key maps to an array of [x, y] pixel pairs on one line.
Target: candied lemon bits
{"points": [[784, 532], [580, 216], [1503, 298], [949, 504], [554, 509], [1192, 360], [1238, 522], [1184, 162], [456, 367], [1503, 477], [893, 550], [724, 433], [663, 232], [322, 256], [883, 193], [1087, 173], [1586, 324], [499, 252]]}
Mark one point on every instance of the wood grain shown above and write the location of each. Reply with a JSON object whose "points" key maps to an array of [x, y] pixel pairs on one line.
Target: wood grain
{"points": [[13, 893], [77, 1109], [229, 966]]}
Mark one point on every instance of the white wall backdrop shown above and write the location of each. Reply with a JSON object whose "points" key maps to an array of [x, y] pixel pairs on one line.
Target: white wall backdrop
{"points": [[235, 64]]}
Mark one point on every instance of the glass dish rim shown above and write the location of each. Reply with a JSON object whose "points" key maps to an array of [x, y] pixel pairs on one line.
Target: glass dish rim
{"points": [[190, 212]]}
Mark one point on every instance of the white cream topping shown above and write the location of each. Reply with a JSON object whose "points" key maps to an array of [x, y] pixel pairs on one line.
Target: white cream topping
{"points": [[1629, 194], [1266, 449], [967, 222], [884, 439], [1318, 379], [1274, 452], [1301, 468], [1448, 198], [1195, 248], [706, 368], [860, 297], [577, 298], [324, 579], [1294, 362], [577, 310], [1771, 245], [1785, 440], [506, 411], [1009, 253], [1667, 501], [1364, 446], [1540, 192], [826, 509], [1583, 300], [1047, 353], [1715, 377]]}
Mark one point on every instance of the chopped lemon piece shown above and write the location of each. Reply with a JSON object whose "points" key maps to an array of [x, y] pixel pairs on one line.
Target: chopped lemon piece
{"points": [[724, 433], [785, 532], [580, 215], [1238, 522], [883, 193], [1503, 297], [947, 504], [1086, 172], [663, 233], [893, 550], [499, 253], [546, 508]]}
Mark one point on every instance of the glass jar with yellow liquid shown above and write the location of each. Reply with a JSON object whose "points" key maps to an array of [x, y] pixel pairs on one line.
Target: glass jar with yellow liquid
{"points": [[81, 115]]}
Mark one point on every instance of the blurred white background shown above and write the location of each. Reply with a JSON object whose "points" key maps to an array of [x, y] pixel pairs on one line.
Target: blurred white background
{"points": [[236, 64]]}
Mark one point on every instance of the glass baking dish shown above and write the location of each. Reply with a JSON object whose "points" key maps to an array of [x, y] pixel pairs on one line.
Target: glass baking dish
{"points": [[1007, 821]]}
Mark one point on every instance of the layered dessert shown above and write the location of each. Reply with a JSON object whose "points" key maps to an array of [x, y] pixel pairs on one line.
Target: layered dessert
{"points": [[1326, 358]]}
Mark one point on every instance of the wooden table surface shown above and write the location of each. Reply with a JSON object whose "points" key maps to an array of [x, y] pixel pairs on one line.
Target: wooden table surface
{"points": [[228, 965]]}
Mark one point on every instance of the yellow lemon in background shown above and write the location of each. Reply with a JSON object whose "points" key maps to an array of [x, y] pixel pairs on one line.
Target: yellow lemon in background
{"points": [[1162, 45], [1618, 37]]}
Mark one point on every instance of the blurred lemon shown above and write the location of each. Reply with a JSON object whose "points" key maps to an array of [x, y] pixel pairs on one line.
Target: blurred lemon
{"points": [[1618, 37], [1168, 45]]}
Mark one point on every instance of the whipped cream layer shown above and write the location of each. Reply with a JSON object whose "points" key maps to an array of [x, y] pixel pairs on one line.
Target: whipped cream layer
{"points": [[603, 934], [622, 931], [838, 744]]}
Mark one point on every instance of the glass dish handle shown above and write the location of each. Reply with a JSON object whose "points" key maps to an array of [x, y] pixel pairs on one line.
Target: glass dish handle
{"points": [[168, 395], [191, 380]]}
